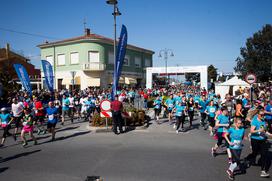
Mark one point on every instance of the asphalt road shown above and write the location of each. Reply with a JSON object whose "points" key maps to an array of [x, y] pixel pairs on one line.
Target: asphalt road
{"points": [[154, 154]]}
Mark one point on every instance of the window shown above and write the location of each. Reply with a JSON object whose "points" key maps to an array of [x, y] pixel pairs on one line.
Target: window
{"points": [[147, 63], [138, 62], [93, 56], [111, 58], [74, 58], [50, 59], [61, 59], [126, 61]]}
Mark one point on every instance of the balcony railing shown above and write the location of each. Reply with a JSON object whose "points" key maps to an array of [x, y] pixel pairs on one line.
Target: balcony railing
{"points": [[94, 66]]}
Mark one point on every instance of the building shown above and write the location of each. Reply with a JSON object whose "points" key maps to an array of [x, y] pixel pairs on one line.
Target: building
{"points": [[91, 58], [8, 58]]}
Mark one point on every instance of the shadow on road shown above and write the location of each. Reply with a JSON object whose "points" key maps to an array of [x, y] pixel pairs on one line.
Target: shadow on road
{"points": [[18, 156], [67, 137], [66, 129], [3, 169]]}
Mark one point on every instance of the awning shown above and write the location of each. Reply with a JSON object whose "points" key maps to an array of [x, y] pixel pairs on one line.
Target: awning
{"points": [[68, 81], [121, 80], [129, 80]]}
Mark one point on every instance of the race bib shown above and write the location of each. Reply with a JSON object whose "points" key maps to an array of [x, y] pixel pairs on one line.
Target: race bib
{"points": [[171, 105], [36, 111], [76, 102], [24, 123], [191, 108], [229, 109], [212, 110], [178, 113], [51, 117], [237, 144]]}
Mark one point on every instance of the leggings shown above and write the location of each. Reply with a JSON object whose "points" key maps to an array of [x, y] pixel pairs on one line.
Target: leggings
{"points": [[6, 131], [180, 120], [203, 118], [191, 117], [260, 147]]}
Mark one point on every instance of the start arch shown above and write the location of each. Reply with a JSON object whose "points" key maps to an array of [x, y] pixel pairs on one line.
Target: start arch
{"points": [[203, 70]]}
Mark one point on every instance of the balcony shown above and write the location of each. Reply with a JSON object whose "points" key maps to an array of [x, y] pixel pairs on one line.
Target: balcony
{"points": [[94, 66]]}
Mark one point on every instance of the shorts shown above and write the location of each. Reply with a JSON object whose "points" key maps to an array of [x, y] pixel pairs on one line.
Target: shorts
{"points": [[17, 121], [28, 129], [211, 121], [157, 112], [51, 125], [65, 112], [40, 119], [170, 110]]}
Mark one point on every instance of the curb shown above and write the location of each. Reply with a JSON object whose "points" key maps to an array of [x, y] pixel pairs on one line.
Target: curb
{"points": [[105, 130]]}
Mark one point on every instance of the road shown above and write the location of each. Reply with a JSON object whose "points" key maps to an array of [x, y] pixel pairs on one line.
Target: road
{"points": [[153, 154]]}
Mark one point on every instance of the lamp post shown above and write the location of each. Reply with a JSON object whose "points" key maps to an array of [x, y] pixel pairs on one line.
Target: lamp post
{"points": [[115, 13], [166, 52]]}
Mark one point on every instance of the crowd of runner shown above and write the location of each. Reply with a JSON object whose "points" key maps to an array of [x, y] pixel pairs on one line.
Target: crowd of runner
{"points": [[228, 119]]}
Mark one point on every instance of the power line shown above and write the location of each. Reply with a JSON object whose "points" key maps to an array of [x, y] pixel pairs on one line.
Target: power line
{"points": [[29, 34]]}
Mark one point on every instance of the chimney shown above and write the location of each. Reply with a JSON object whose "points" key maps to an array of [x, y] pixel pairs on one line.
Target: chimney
{"points": [[87, 31], [7, 50]]}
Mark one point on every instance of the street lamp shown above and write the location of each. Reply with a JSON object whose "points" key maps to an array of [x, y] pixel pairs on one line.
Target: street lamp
{"points": [[166, 52], [115, 13]]}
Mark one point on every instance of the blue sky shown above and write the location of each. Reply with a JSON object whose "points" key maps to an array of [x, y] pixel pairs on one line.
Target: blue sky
{"points": [[200, 32]]}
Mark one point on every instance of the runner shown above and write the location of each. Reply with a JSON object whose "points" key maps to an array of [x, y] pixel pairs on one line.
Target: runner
{"points": [[52, 114], [17, 111], [170, 103], [222, 122], [259, 143], [65, 108], [27, 127], [157, 108], [39, 115], [268, 115], [180, 116], [190, 108], [210, 111], [234, 137], [5, 121], [202, 107], [71, 107]]}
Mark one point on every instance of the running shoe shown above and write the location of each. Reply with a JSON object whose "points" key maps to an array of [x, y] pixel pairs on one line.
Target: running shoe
{"points": [[35, 142], [25, 144], [230, 174], [61, 123], [177, 131], [264, 174], [174, 127], [14, 137], [211, 133], [213, 152]]}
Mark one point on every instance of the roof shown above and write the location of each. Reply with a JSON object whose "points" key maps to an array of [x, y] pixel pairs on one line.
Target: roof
{"points": [[91, 37], [235, 81]]}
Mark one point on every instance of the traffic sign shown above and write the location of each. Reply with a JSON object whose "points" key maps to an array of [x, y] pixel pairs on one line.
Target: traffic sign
{"points": [[105, 114], [105, 105], [251, 78]]}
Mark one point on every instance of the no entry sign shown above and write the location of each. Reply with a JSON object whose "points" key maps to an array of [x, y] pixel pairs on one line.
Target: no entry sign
{"points": [[105, 109], [251, 78]]}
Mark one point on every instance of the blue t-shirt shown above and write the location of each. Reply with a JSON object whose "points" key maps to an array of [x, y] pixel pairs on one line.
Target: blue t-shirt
{"points": [[5, 118], [211, 111], [197, 98], [65, 104], [179, 110], [170, 103], [177, 100], [131, 94], [203, 105], [222, 120], [236, 137], [244, 102], [157, 104], [268, 108], [258, 124], [51, 112]]}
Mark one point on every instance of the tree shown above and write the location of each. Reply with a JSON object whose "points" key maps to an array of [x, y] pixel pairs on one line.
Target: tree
{"points": [[256, 56], [212, 73]]}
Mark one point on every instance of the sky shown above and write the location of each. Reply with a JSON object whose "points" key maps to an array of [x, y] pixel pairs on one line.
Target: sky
{"points": [[199, 32]]}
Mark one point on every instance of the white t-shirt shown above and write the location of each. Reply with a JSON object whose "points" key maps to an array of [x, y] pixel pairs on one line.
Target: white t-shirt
{"points": [[71, 100], [17, 109]]}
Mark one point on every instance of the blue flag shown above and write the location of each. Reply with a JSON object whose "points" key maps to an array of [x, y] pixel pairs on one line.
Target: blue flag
{"points": [[48, 74], [23, 76], [119, 60]]}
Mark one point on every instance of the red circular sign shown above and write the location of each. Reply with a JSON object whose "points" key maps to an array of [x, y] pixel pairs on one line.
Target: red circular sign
{"points": [[105, 105], [251, 78]]}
